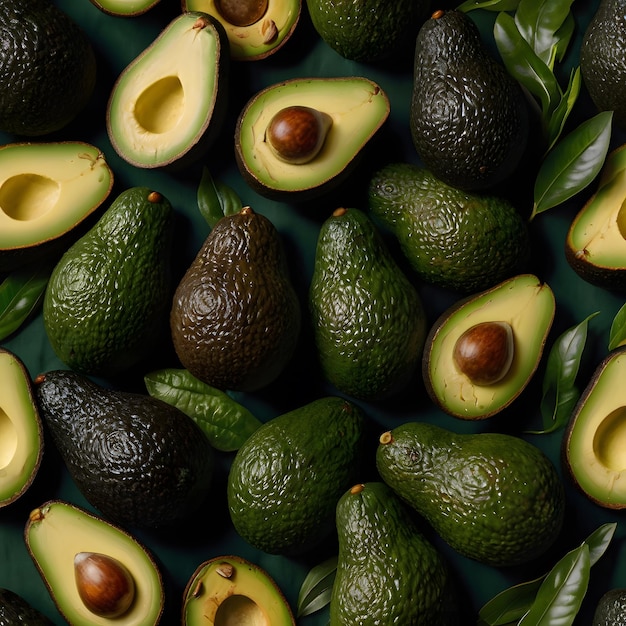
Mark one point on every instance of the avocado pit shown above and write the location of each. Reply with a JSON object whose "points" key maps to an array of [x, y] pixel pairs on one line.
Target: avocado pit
{"points": [[241, 13]]}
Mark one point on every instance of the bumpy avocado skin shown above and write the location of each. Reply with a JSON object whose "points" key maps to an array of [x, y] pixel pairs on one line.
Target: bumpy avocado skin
{"points": [[137, 459], [611, 609], [492, 497], [16, 610]]}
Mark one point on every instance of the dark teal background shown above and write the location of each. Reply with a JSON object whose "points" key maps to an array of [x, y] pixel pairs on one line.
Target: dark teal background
{"points": [[181, 549]]}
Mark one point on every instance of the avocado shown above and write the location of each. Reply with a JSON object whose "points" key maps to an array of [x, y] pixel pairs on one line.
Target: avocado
{"points": [[60, 535], [467, 340], [22, 442], [387, 571], [493, 497], [591, 443], [611, 609], [48, 69], [124, 8], [468, 117], [47, 190], [603, 59], [235, 317], [368, 319], [137, 459], [595, 246], [232, 590], [167, 106], [368, 31], [109, 294], [16, 610], [357, 106], [459, 240], [286, 479], [255, 29]]}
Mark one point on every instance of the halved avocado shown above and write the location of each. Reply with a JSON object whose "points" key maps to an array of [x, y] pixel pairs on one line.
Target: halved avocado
{"points": [[255, 28], [124, 8], [232, 590], [167, 105], [523, 302], [595, 246], [21, 437], [593, 443], [46, 191], [357, 106], [57, 531]]}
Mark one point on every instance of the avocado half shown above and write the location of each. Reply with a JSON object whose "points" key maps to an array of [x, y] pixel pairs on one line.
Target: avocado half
{"points": [[46, 191], [232, 590], [124, 8], [167, 105], [358, 108], [21, 436], [57, 531], [595, 246], [594, 438], [526, 304], [255, 30]]}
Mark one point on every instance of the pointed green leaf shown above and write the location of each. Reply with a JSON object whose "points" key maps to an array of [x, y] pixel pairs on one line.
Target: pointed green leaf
{"points": [[511, 604], [216, 199], [316, 588], [489, 5], [617, 334], [563, 37], [564, 108], [599, 540]]}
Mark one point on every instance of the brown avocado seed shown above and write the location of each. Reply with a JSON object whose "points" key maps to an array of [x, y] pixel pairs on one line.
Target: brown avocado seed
{"points": [[484, 352], [241, 12], [104, 584], [296, 134]]}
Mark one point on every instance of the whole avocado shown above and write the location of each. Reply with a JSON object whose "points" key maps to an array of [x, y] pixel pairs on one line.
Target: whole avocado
{"points": [[17, 611], [611, 609]]}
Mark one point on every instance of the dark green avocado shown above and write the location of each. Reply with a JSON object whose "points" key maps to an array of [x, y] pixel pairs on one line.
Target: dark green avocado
{"points": [[15, 610], [611, 609]]}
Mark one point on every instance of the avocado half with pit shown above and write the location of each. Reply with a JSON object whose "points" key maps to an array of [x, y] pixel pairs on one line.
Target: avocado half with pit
{"points": [[21, 436], [321, 126], [167, 105], [46, 191], [595, 246], [255, 29], [482, 352], [593, 442], [125, 8], [232, 590], [96, 572]]}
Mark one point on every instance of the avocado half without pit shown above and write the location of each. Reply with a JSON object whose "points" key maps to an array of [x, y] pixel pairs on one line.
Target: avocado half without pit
{"points": [[255, 28], [124, 8], [299, 138]]}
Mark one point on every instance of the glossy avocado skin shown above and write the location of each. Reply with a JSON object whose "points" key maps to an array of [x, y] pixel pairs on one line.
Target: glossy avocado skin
{"points": [[16, 611], [137, 459], [611, 609]]}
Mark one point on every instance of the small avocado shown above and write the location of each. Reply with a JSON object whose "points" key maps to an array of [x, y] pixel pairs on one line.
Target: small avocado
{"points": [[22, 441], [62, 537], [235, 317], [286, 479], [591, 443], [481, 353], [387, 571], [357, 108], [109, 294], [368, 319], [124, 8], [47, 190], [255, 29], [468, 117], [595, 246], [611, 609], [167, 106], [233, 590], [493, 497], [137, 459], [459, 240], [48, 70], [17, 611]]}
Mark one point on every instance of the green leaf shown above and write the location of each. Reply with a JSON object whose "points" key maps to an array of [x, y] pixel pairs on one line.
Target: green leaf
{"points": [[617, 334], [573, 163], [489, 5], [216, 199], [564, 37], [599, 540], [510, 605], [561, 113], [317, 587], [226, 423]]}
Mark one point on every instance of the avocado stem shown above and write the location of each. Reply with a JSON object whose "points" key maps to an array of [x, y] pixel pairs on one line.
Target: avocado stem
{"points": [[386, 438]]}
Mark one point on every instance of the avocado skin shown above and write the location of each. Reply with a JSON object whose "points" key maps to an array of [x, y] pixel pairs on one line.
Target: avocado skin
{"points": [[47, 69], [138, 460], [470, 137], [16, 611], [387, 571], [492, 497], [611, 609]]}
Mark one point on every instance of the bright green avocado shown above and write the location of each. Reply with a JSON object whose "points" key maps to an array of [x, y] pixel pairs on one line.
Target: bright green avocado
{"points": [[232, 590], [168, 104], [493, 497], [611, 609], [255, 29], [125, 8], [58, 531], [527, 306]]}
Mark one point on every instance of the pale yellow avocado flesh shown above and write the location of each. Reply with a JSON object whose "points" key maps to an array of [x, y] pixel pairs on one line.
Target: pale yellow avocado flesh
{"points": [[125, 7], [57, 531], [46, 189], [163, 102], [358, 108], [528, 305]]}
